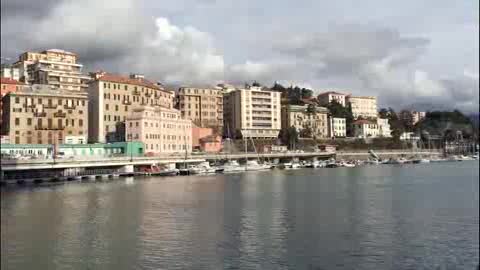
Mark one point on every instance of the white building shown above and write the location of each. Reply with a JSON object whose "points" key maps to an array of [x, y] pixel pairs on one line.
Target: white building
{"points": [[384, 128], [252, 112], [10, 72], [337, 127], [327, 97], [365, 107], [162, 130], [365, 129]]}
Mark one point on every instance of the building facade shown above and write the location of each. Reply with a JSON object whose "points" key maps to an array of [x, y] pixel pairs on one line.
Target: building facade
{"points": [[54, 67], [161, 130], [38, 115], [337, 127], [412, 117], [384, 128], [301, 118], [8, 86], [365, 107], [114, 97], [326, 98], [365, 129], [10, 72], [204, 106], [253, 112]]}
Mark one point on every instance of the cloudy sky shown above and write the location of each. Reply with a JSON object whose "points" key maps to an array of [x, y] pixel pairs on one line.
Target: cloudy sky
{"points": [[419, 54]]}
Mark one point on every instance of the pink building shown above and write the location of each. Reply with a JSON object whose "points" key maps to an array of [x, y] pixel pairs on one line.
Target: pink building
{"points": [[198, 133], [211, 144]]}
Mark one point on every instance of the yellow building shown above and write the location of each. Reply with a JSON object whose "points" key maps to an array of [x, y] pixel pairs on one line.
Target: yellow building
{"points": [[204, 106], [252, 112], [365, 107], [54, 67], [113, 98], [39, 115], [300, 118], [161, 130]]}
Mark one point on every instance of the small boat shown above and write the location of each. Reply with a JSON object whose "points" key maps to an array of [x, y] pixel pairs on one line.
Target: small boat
{"points": [[290, 166], [253, 165], [196, 170], [346, 164], [420, 161], [232, 166], [331, 165]]}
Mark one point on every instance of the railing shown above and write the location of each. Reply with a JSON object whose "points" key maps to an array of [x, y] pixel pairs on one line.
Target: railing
{"points": [[127, 102], [71, 107], [42, 114], [60, 115]]}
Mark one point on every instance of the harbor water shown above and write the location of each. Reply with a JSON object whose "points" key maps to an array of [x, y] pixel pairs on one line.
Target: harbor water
{"points": [[413, 216]]}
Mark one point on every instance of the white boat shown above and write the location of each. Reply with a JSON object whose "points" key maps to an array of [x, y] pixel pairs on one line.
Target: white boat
{"points": [[346, 164], [253, 165], [397, 161], [196, 169], [314, 164], [420, 161], [290, 166], [232, 166]]}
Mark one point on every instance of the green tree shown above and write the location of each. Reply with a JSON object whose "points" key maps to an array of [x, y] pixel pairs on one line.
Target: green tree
{"points": [[383, 113]]}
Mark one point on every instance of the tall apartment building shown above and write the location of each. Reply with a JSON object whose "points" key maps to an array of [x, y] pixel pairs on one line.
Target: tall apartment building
{"points": [[7, 71], [337, 127], [252, 112], [300, 118], [365, 107], [39, 115], [113, 97], [161, 130], [327, 97], [204, 106], [7, 86], [54, 67]]}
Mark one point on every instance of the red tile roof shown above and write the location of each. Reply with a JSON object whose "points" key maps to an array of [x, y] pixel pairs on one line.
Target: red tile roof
{"points": [[10, 81], [362, 122], [331, 92], [127, 80]]}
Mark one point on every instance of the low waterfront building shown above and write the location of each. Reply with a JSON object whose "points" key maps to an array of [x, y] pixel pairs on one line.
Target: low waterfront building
{"points": [[57, 68], [327, 97], [252, 112], [8, 85], [204, 106], [37, 115], [384, 128], [365, 129], [364, 107], [77, 151], [114, 97], [337, 127], [306, 117], [162, 130]]}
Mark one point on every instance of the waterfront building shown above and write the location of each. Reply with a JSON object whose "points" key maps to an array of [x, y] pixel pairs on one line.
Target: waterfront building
{"points": [[327, 97], [252, 112], [78, 151], [57, 68], [337, 127], [36, 114], [306, 117], [384, 128], [204, 106], [411, 117], [364, 107], [211, 144], [365, 129], [114, 97], [162, 130], [8, 85], [9, 72]]}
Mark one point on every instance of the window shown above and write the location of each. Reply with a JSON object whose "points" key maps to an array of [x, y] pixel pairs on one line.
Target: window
{"points": [[17, 100], [17, 121], [59, 123], [73, 122], [80, 112], [116, 108], [59, 101], [80, 122], [106, 107]]}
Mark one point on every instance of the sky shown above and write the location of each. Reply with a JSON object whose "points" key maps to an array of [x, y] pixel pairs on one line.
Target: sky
{"points": [[421, 55]]}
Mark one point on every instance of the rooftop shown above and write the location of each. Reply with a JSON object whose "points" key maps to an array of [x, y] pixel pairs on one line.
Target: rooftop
{"points": [[59, 51], [10, 81], [46, 90], [331, 92], [127, 80], [364, 122]]}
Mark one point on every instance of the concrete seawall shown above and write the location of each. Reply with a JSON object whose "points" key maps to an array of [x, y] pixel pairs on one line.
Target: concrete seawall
{"points": [[384, 154]]}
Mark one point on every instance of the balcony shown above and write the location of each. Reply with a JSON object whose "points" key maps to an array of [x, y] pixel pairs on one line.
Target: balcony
{"points": [[148, 95], [136, 92], [71, 107], [127, 102], [49, 106], [40, 114], [29, 106], [60, 115]]}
